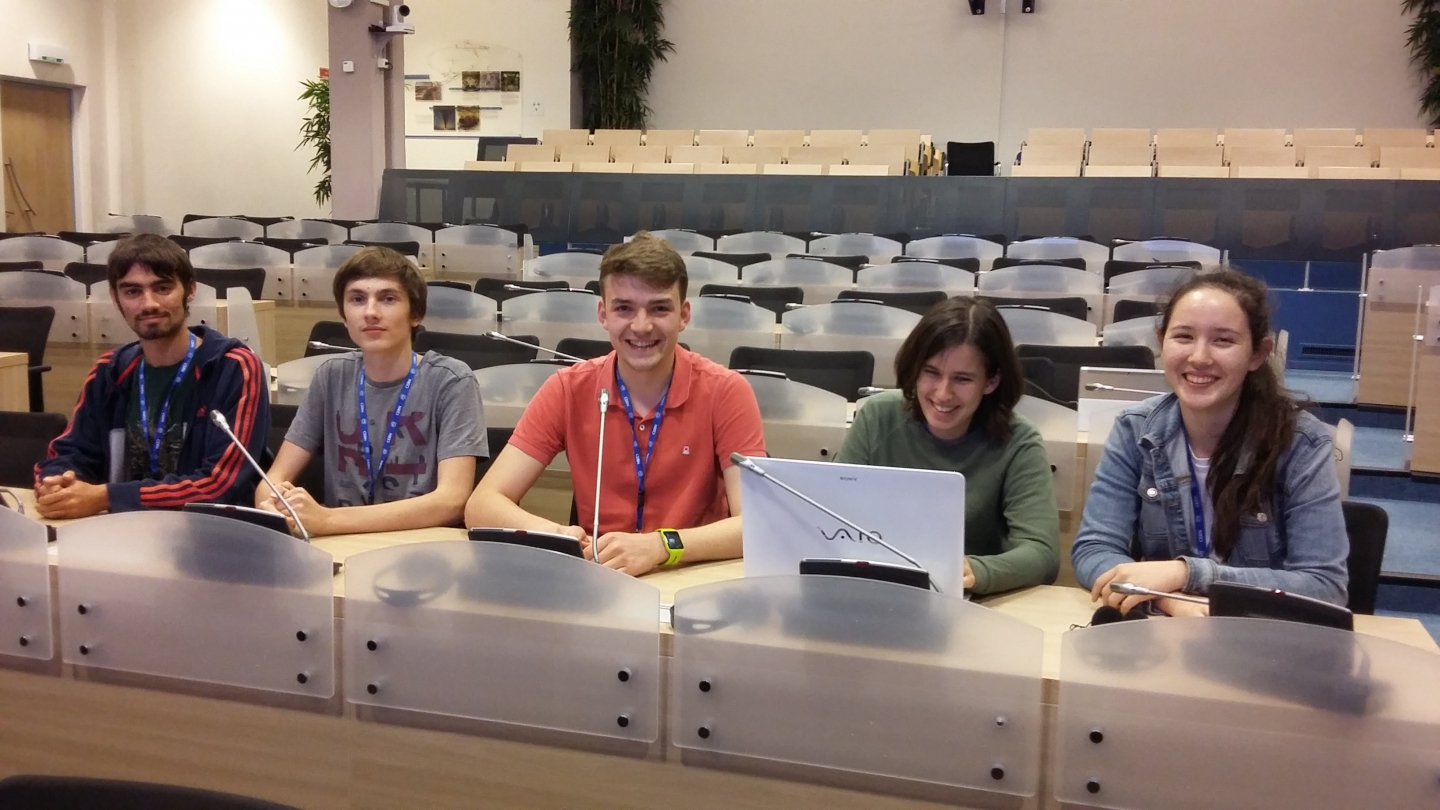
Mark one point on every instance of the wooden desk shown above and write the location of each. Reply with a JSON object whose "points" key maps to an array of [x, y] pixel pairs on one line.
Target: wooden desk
{"points": [[14, 381]]}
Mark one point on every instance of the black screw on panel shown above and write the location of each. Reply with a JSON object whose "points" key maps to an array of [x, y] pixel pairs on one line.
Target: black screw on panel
{"points": [[704, 732], [1093, 785], [84, 649], [997, 773], [372, 645], [302, 678], [1000, 722], [1097, 736], [623, 720], [24, 641], [84, 609], [300, 635], [705, 685], [623, 675], [20, 601], [373, 688]]}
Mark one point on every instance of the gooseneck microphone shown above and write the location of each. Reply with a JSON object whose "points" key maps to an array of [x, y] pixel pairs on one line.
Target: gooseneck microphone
{"points": [[1104, 387], [330, 347], [561, 355], [224, 424], [745, 463], [1131, 589], [599, 470]]}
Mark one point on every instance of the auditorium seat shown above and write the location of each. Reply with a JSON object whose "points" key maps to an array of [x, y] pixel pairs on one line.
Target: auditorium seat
{"points": [[783, 138], [521, 153], [544, 166], [969, 159], [575, 153], [1185, 136], [819, 155], [1102, 136], [616, 137], [669, 137], [1068, 137], [663, 168], [1305, 138], [1269, 138], [759, 155], [1106, 155], [1409, 157], [775, 299], [1405, 137], [1260, 155], [229, 227], [603, 168], [838, 138], [697, 154], [839, 372], [722, 137], [1315, 157], [555, 138], [1189, 155], [634, 153]]}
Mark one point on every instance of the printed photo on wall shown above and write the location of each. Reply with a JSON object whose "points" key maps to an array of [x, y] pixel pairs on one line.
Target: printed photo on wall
{"points": [[469, 80], [468, 118], [490, 80], [444, 117], [510, 81], [427, 91]]}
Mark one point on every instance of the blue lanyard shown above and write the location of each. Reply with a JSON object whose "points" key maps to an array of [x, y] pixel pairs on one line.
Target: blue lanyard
{"points": [[390, 429], [641, 464], [153, 441], [1197, 503]]}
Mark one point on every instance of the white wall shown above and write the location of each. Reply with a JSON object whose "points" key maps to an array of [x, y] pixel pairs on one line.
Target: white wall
{"points": [[538, 29], [76, 25], [929, 63], [209, 117]]}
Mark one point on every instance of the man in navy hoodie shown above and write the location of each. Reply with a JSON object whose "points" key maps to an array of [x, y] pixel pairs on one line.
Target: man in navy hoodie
{"points": [[141, 436]]}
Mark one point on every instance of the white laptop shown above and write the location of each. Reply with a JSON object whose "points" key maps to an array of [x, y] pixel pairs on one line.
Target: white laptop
{"points": [[920, 512]]}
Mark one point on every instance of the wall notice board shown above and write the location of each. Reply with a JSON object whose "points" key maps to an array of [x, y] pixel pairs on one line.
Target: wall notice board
{"points": [[464, 90]]}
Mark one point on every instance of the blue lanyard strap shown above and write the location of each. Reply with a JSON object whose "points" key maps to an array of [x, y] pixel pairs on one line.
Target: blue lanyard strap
{"points": [[641, 464], [1197, 503], [390, 429], [153, 440]]}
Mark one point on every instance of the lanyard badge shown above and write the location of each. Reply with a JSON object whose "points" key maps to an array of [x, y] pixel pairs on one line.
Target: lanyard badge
{"points": [[152, 441], [391, 428], [642, 464]]}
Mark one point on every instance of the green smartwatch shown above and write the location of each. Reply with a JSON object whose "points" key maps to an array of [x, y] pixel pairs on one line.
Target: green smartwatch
{"points": [[673, 545]]}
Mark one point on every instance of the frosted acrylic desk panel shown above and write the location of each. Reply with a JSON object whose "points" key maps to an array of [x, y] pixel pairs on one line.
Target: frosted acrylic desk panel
{"points": [[800, 421], [718, 326], [701, 271], [1143, 384], [293, 378], [223, 227], [772, 242], [24, 587], [554, 315], [1401, 285], [956, 247], [1049, 248], [573, 268], [198, 598], [851, 326], [459, 311], [878, 249], [309, 230], [1153, 284], [1157, 251], [1134, 332], [1056, 424], [503, 633], [53, 252], [860, 676], [279, 275], [1040, 327], [779, 530], [821, 281], [66, 296], [1046, 281], [916, 277], [1187, 714], [315, 272], [685, 242], [471, 251], [505, 390], [399, 232]]}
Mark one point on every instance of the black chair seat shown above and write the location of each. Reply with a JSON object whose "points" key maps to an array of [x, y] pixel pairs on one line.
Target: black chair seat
{"points": [[263, 222], [916, 302], [403, 248], [477, 351], [78, 793], [291, 246], [251, 278], [87, 273], [1074, 307], [1069, 359], [969, 263], [737, 259], [192, 242], [495, 439], [332, 332], [454, 285], [775, 299], [1368, 526], [1115, 267], [843, 373], [1002, 262], [24, 440], [583, 348], [27, 329], [970, 158], [22, 267], [852, 263], [1128, 310]]}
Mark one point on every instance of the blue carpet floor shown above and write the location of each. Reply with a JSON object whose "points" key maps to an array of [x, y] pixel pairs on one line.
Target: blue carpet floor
{"points": [[1321, 386]]}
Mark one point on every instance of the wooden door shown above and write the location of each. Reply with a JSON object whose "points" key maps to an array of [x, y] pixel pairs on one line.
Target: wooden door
{"points": [[38, 165]]}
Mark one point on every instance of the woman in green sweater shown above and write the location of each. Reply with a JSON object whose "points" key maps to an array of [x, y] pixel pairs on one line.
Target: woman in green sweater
{"points": [[959, 382]]}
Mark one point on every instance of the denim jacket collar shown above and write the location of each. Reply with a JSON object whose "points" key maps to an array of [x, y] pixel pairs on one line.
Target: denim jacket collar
{"points": [[1162, 428]]}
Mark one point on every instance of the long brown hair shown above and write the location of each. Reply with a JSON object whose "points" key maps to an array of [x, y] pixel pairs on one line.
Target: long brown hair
{"points": [[965, 322], [1264, 421]]}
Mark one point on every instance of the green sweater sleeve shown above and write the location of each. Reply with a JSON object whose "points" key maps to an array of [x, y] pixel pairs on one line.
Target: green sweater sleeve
{"points": [[1031, 546], [859, 439]]}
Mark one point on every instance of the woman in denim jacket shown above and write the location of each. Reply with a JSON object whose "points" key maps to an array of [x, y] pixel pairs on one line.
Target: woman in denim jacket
{"points": [[1229, 443]]}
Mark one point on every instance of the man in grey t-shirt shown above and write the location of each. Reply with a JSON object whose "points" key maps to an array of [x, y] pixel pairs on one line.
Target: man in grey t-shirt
{"points": [[443, 418], [399, 434]]}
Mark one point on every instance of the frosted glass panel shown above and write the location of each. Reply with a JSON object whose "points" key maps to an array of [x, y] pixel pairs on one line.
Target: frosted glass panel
{"points": [[1057, 426], [24, 587], [1134, 332], [1040, 327], [956, 247], [279, 281], [199, 598], [1053, 280], [99, 253], [685, 241], [472, 251], [553, 315], [1419, 257], [1401, 285], [53, 251], [776, 244], [1431, 328], [851, 326], [503, 633], [310, 230], [67, 296], [1166, 250], [1151, 281], [1061, 247], [507, 389], [226, 227], [240, 309], [916, 276], [451, 310], [202, 308], [719, 325], [862, 676], [800, 421], [821, 281], [877, 248], [701, 271], [293, 378], [315, 271], [1228, 712], [575, 268]]}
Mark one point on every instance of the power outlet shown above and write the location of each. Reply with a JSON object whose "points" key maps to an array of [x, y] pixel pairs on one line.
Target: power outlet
{"points": [[537, 108]]}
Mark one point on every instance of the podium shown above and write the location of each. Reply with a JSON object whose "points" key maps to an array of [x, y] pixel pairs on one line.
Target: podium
{"points": [[1230, 712], [197, 598], [509, 634], [24, 587], [872, 678]]}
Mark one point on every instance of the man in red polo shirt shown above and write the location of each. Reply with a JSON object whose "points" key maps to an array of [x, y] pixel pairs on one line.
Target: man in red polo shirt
{"points": [[669, 490]]}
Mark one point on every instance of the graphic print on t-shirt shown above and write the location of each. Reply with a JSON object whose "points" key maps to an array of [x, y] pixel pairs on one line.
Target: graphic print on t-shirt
{"points": [[399, 478]]}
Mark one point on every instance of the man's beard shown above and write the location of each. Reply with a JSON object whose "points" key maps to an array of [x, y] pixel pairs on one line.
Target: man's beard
{"points": [[158, 330]]}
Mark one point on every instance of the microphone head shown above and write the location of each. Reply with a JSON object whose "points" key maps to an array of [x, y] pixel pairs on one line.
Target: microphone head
{"points": [[219, 419], [1106, 615], [495, 335], [1129, 589], [604, 400], [1096, 387]]}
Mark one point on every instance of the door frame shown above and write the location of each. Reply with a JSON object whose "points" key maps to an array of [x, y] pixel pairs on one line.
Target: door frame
{"points": [[74, 91]]}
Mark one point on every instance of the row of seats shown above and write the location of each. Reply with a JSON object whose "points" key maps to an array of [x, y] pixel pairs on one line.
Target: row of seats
{"points": [[1324, 162], [896, 166], [844, 138], [1199, 136]]}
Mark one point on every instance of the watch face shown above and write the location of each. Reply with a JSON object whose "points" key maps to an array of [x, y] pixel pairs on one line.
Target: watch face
{"points": [[672, 540]]}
